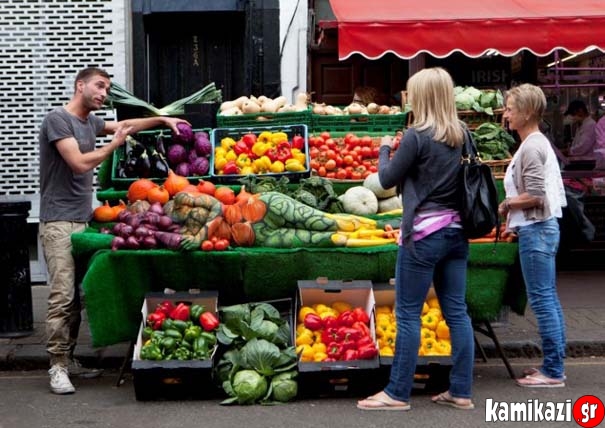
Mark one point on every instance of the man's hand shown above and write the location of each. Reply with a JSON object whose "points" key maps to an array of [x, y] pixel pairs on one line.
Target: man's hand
{"points": [[386, 141], [120, 135], [171, 122]]}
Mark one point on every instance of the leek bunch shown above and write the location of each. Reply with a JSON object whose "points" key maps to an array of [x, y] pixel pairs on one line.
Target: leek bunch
{"points": [[120, 95]]}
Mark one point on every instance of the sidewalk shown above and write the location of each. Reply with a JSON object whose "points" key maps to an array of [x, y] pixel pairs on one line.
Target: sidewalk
{"points": [[582, 295]]}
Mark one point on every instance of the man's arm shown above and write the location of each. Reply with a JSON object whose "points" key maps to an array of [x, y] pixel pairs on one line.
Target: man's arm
{"points": [[585, 144], [142, 124], [83, 162]]}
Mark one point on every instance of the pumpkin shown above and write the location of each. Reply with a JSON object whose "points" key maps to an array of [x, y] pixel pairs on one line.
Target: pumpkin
{"points": [[360, 200], [175, 183], [232, 214], [119, 208], [138, 189], [158, 194], [242, 196], [373, 183], [206, 187], [243, 234], [389, 204], [254, 210], [104, 213], [225, 194]]}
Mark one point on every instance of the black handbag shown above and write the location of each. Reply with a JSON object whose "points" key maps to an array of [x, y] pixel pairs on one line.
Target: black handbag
{"points": [[478, 193]]}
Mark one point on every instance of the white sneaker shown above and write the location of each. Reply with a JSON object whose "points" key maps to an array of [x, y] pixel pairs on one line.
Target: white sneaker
{"points": [[59, 380], [75, 368]]}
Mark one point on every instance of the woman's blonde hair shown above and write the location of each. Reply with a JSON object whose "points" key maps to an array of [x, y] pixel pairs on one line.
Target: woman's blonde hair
{"points": [[529, 100], [431, 95]]}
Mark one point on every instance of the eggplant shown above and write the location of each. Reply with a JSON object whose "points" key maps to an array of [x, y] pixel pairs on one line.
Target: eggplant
{"points": [[143, 165], [159, 144], [159, 165]]}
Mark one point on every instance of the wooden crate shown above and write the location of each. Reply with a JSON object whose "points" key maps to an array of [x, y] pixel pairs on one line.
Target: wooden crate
{"points": [[474, 118], [498, 167]]}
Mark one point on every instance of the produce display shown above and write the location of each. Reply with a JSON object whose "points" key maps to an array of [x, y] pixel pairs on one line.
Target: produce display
{"points": [[255, 152], [259, 362], [493, 142], [179, 332], [434, 332], [354, 109], [262, 106], [479, 100], [335, 332]]}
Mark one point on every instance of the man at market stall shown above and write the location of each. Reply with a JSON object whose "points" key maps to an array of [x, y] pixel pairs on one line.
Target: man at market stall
{"points": [[584, 138], [68, 156]]}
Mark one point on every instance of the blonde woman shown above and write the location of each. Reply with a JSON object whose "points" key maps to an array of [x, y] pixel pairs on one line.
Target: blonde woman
{"points": [[433, 246]]}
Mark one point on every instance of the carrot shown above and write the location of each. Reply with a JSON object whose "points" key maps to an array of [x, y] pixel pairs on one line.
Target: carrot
{"points": [[483, 240]]}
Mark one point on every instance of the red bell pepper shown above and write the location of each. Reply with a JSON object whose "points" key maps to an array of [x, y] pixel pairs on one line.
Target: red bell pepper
{"points": [[230, 168], [350, 354], [298, 142], [313, 322], [346, 319], [241, 147], [330, 335], [208, 321], [166, 307], [249, 139], [349, 333], [361, 315], [364, 341], [367, 352], [330, 321], [363, 328], [334, 350], [155, 320], [180, 312]]}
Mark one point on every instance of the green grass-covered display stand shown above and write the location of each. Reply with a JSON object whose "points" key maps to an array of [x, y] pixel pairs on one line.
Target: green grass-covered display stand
{"points": [[115, 282]]}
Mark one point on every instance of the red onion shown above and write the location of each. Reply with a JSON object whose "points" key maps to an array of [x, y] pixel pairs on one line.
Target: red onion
{"points": [[118, 242], [132, 242], [165, 222], [156, 207]]}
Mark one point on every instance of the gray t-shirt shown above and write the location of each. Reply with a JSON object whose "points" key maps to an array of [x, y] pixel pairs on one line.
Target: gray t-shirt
{"points": [[65, 195]]}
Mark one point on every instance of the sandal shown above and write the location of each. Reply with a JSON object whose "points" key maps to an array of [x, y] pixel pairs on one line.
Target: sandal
{"points": [[382, 401], [532, 371], [538, 380], [458, 403]]}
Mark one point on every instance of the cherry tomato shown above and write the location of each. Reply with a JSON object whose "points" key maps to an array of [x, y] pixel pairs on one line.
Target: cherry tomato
{"points": [[207, 245], [221, 245]]}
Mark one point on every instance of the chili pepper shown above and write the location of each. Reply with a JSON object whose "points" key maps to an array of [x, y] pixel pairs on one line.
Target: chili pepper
{"points": [[361, 315], [363, 329], [241, 148], [173, 333], [298, 142], [166, 307], [209, 321], [334, 350], [350, 354], [313, 322], [151, 351], [346, 318], [195, 311], [330, 335], [181, 312], [230, 168], [192, 333], [367, 352], [155, 320]]}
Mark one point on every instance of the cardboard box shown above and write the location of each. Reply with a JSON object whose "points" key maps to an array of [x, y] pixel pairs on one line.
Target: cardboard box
{"points": [[432, 372], [172, 379], [350, 378]]}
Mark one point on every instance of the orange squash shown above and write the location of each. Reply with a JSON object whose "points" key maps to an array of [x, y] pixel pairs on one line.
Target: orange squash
{"points": [[138, 189], [232, 214], [254, 210], [118, 208], [242, 196], [158, 194], [243, 234], [175, 183], [225, 194], [104, 213], [206, 187]]}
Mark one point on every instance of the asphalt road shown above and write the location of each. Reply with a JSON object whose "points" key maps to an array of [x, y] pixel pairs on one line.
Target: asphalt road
{"points": [[26, 402]]}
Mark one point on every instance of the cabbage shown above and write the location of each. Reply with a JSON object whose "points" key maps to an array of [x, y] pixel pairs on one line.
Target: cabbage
{"points": [[267, 330], [284, 387], [248, 386], [200, 166], [473, 92], [183, 169], [176, 154], [464, 101], [185, 134], [202, 144]]}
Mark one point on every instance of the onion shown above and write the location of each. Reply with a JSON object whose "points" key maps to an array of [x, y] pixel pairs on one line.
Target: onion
{"points": [[151, 217], [123, 215], [165, 222], [149, 242], [156, 207], [118, 242], [142, 232], [132, 243]]}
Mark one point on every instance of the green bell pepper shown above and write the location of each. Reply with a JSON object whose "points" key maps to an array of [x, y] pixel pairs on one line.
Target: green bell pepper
{"points": [[151, 351], [192, 333], [195, 311], [182, 354]]}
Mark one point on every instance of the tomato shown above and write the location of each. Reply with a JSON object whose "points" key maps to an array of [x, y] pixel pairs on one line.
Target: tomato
{"points": [[375, 151], [366, 141], [353, 141], [348, 137], [373, 168], [313, 152], [314, 164], [331, 174], [330, 143], [331, 154], [323, 148], [207, 245], [355, 175], [330, 164], [348, 160], [366, 173], [366, 152], [341, 174], [221, 245], [325, 135], [321, 171]]}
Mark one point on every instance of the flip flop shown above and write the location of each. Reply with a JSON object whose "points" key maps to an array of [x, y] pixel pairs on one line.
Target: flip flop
{"points": [[532, 371], [447, 400], [382, 403], [538, 380]]}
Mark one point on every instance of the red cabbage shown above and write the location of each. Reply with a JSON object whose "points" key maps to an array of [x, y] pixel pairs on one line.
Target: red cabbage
{"points": [[200, 166], [202, 144], [176, 154], [183, 169], [185, 133]]}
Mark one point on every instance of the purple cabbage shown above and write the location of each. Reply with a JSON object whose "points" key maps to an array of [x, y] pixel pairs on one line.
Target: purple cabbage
{"points": [[176, 154], [202, 144], [200, 166], [183, 169], [185, 135]]}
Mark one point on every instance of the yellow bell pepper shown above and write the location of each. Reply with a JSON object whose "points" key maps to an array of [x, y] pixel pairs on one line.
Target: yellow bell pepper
{"points": [[277, 166], [294, 165], [264, 137], [303, 311], [306, 352], [426, 333], [340, 306], [298, 155], [243, 160], [320, 307], [231, 155], [319, 347], [260, 148], [300, 328], [429, 321], [219, 163], [328, 313], [429, 347], [433, 302], [278, 137], [220, 152], [444, 347], [443, 331], [227, 143], [304, 338], [383, 309], [246, 170], [386, 351], [262, 165], [318, 357], [425, 308]]}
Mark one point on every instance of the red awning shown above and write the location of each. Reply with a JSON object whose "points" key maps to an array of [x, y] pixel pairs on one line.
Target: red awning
{"points": [[406, 28]]}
